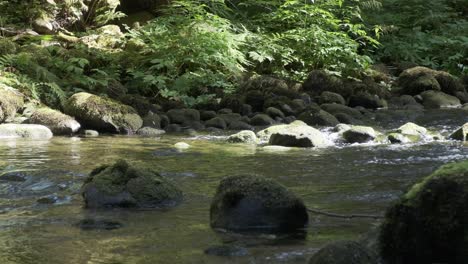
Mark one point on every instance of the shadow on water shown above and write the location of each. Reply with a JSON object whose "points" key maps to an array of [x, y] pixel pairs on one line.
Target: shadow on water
{"points": [[42, 219]]}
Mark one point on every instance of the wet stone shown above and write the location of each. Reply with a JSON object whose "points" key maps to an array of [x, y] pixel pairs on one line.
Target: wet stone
{"points": [[98, 224], [227, 251]]}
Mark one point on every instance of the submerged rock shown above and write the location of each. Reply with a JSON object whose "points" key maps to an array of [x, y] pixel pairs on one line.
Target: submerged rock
{"points": [[430, 222], [103, 114], [97, 224], [246, 136], [343, 252], [123, 185], [461, 134], [25, 131], [359, 134], [57, 122], [298, 136], [252, 203], [227, 251]]}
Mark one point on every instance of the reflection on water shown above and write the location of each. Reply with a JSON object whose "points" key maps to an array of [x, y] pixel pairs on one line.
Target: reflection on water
{"points": [[341, 179]]}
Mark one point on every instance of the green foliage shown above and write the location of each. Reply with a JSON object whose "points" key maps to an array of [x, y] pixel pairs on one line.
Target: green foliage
{"points": [[427, 33], [187, 54]]}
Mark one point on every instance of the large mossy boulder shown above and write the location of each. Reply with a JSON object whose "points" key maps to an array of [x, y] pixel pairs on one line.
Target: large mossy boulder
{"points": [[343, 252], [10, 102], [124, 185], [265, 134], [298, 136], [57, 122], [461, 133], [436, 100], [103, 114], [419, 79], [253, 203], [25, 131], [359, 134], [429, 224]]}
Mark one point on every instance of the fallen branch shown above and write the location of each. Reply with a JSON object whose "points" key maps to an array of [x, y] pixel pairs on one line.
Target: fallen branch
{"points": [[350, 216]]}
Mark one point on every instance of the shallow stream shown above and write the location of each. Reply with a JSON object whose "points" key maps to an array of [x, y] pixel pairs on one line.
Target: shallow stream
{"points": [[343, 179]]}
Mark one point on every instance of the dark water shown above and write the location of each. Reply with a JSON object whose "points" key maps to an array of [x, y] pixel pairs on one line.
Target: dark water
{"points": [[342, 179]]}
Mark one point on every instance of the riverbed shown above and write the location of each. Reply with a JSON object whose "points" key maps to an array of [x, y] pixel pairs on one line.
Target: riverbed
{"points": [[41, 206]]}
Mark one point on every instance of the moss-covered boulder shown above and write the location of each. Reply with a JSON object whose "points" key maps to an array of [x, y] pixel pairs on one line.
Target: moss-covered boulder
{"points": [[359, 134], [461, 133], [10, 102], [216, 122], [319, 81], [262, 120], [246, 136], [366, 100], [124, 185], [317, 117], [107, 37], [265, 134], [181, 116], [25, 131], [436, 100], [150, 132], [252, 203], [343, 252], [429, 224], [419, 79], [327, 97], [298, 136], [103, 114], [56, 121]]}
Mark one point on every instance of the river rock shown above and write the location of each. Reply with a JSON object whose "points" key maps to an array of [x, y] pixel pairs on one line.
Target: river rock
{"points": [[366, 100], [331, 98], [265, 134], [435, 100], [10, 102], [246, 136], [317, 117], [124, 185], [298, 136], [150, 132], [343, 252], [152, 120], [262, 120], [90, 133], [207, 115], [274, 112], [180, 116], [229, 118], [25, 131], [429, 223], [359, 134], [57, 122], [216, 122], [239, 125], [181, 145], [103, 114], [253, 203], [419, 79], [461, 133]]}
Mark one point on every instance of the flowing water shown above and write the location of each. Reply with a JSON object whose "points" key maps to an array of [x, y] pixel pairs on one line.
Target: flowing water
{"points": [[343, 179]]}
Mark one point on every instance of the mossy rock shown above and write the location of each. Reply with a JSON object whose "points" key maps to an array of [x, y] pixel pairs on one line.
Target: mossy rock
{"points": [[56, 121], [317, 117], [180, 116], [419, 79], [10, 102], [436, 100], [461, 133], [262, 120], [319, 81], [331, 98], [343, 252], [335, 109], [256, 204], [359, 134], [124, 185], [429, 224], [265, 134], [298, 136], [246, 136], [103, 114]]}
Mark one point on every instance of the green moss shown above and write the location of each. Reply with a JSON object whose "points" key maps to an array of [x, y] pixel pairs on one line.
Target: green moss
{"points": [[10, 102]]}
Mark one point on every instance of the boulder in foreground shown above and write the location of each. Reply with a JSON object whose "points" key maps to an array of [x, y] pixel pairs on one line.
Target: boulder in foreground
{"points": [[343, 252], [25, 131]]}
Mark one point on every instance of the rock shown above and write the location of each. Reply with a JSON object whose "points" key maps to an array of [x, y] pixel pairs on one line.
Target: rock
{"points": [[336, 109], [150, 132], [252, 203], [366, 100], [298, 106], [102, 114], [412, 129], [274, 112], [44, 25], [225, 111], [346, 119], [298, 136], [343, 252], [429, 223], [107, 37], [331, 98], [195, 125], [246, 136], [216, 122], [359, 134], [255, 99], [262, 120], [405, 102], [239, 125], [10, 102], [419, 79], [152, 120], [232, 103], [462, 96], [246, 110], [48, 199], [461, 133], [318, 118], [180, 116], [265, 134], [207, 115], [57, 122], [90, 133], [181, 145], [340, 128], [435, 100], [229, 118], [173, 128], [397, 138], [227, 251], [25, 131], [277, 149], [124, 185], [319, 81], [141, 104]]}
